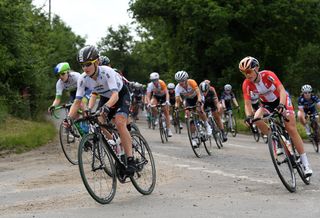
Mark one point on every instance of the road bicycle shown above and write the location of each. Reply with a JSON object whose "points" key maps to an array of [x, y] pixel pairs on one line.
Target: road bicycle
{"points": [[101, 163], [257, 134], [315, 133], [216, 132], [197, 131], [230, 124], [284, 155], [162, 122], [150, 119], [176, 120], [70, 137]]}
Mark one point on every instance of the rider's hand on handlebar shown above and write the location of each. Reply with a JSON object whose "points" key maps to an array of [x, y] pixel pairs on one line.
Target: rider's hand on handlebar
{"points": [[67, 122], [104, 109], [281, 108], [51, 109], [87, 112]]}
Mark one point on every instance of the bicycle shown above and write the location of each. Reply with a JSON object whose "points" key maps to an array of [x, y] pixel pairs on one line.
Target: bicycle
{"points": [[216, 132], [200, 132], [150, 119], [230, 124], [283, 153], [176, 120], [315, 133], [162, 122], [70, 137], [101, 163]]}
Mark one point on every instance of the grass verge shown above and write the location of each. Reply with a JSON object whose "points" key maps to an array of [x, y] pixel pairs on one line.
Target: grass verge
{"points": [[23, 135]]}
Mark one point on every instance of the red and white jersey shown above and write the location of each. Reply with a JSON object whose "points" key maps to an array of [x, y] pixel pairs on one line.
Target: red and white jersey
{"points": [[266, 87]]}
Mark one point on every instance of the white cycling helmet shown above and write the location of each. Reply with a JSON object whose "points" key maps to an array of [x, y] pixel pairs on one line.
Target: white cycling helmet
{"points": [[170, 86], [306, 88], [181, 76], [227, 87], [154, 76], [248, 63], [204, 86]]}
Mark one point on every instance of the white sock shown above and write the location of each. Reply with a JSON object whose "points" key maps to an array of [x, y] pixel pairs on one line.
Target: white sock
{"points": [[304, 159]]}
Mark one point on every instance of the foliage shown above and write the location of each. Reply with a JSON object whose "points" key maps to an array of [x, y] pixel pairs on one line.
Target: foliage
{"points": [[209, 38], [21, 135], [30, 47]]}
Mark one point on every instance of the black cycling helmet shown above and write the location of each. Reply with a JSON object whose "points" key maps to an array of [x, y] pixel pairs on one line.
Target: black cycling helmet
{"points": [[87, 53], [104, 60]]}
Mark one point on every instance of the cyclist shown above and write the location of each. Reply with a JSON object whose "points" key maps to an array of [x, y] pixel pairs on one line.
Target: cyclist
{"points": [[228, 97], [307, 104], [172, 97], [211, 100], [114, 96], [160, 94], [136, 99], [67, 81], [104, 61], [189, 90], [273, 97]]}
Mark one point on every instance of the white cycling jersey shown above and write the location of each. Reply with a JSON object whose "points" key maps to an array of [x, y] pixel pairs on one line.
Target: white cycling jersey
{"points": [[70, 85], [108, 81]]}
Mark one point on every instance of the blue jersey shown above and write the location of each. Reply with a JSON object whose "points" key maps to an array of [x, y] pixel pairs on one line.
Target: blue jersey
{"points": [[309, 106]]}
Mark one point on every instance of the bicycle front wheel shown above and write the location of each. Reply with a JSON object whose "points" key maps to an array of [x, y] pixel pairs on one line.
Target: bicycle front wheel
{"points": [[194, 138], [97, 169], [256, 134], [281, 162], [144, 180], [315, 137], [69, 141], [216, 133], [234, 127]]}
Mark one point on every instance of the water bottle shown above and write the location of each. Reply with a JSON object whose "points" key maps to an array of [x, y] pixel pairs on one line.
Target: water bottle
{"points": [[77, 124], [84, 127]]}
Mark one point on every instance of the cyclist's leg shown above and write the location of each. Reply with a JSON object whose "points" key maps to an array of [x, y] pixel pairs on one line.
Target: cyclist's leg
{"points": [[261, 124]]}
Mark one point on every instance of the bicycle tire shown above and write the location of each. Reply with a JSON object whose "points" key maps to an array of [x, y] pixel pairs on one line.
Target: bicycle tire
{"points": [[134, 127], [69, 143], [208, 146], [144, 180], [90, 152], [234, 125], [196, 149], [216, 133], [264, 138], [315, 136], [285, 173], [256, 134], [161, 130]]}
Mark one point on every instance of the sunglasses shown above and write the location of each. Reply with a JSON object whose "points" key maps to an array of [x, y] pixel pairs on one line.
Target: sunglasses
{"points": [[62, 74], [154, 80], [87, 64], [247, 72], [307, 93]]}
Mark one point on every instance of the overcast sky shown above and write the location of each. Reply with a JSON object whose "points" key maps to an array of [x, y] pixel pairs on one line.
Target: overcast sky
{"points": [[89, 19]]}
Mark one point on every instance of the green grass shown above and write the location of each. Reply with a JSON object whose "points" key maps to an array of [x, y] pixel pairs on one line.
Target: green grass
{"points": [[22, 135]]}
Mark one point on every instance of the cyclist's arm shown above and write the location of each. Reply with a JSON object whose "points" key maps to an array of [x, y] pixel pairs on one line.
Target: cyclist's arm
{"points": [[113, 99], [92, 101], [74, 108], [283, 94], [235, 102], [248, 107], [148, 98], [56, 101]]}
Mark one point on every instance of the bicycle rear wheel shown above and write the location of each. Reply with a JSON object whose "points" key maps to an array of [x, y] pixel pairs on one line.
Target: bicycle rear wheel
{"points": [[281, 162], [234, 127], [216, 133], [195, 148], [97, 169], [315, 136], [69, 141], [144, 180]]}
